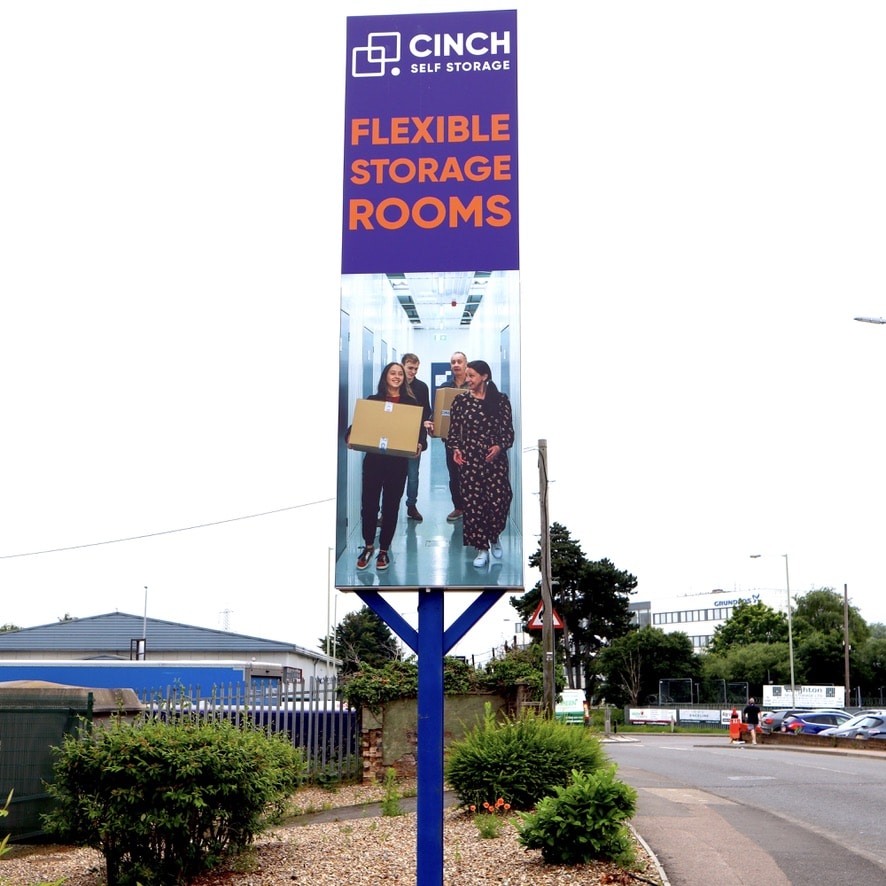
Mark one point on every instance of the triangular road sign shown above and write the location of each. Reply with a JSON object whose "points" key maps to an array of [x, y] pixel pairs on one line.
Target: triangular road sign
{"points": [[536, 622]]}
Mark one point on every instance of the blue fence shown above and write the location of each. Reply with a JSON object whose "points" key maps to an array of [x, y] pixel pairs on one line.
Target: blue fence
{"points": [[310, 714]]}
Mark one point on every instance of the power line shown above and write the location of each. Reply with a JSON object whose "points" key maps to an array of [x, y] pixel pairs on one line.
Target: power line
{"points": [[115, 541]]}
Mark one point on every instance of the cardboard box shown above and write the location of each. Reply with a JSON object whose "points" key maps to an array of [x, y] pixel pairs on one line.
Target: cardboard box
{"points": [[386, 428], [442, 402]]}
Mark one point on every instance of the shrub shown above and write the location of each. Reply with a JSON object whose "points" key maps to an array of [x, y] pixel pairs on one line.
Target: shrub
{"points": [[522, 758], [523, 665], [460, 678], [374, 687], [164, 802], [583, 821], [390, 805]]}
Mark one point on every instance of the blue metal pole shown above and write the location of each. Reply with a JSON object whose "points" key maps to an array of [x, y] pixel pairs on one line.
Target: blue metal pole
{"points": [[429, 846], [430, 643]]}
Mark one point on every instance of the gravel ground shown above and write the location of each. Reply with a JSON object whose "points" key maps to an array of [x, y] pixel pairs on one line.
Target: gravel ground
{"points": [[360, 849]]}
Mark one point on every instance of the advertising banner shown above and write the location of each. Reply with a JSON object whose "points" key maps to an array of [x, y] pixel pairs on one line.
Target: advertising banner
{"points": [[652, 716], [806, 697], [430, 324]]}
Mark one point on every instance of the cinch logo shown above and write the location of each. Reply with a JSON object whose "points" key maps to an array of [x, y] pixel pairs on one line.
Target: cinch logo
{"points": [[372, 60], [382, 52]]}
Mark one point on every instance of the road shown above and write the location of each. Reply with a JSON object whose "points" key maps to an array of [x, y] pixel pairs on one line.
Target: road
{"points": [[720, 813]]}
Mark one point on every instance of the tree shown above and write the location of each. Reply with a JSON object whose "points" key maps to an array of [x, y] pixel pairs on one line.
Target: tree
{"points": [[754, 664], [9, 627], [592, 599], [362, 638], [871, 667], [749, 623], [633, 665], [822, 611], [819, 637]]}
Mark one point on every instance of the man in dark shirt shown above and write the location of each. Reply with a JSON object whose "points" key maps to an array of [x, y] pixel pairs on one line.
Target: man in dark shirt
{"points": [[751, 716], [423, 395]]}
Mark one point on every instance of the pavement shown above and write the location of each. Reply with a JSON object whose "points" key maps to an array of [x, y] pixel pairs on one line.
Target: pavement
{"points": [[692, 841], [697, 838]]}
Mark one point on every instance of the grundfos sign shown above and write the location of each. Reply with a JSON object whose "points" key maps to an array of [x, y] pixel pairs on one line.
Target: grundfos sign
{"points": [[430, 174]]}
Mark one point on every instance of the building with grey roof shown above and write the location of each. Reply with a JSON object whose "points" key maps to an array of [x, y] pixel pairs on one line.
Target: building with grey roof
{"points": [[119, 636]]}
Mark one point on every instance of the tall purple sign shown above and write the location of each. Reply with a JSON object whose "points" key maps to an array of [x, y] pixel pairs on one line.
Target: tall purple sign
{"points": [[430, 312], [430, 177]]}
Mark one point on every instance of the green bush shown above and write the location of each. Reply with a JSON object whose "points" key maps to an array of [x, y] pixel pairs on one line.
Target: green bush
{"points": [[460, 678], [375, 687], [584, 821], [164, 802], [522, 665], [520, 759]]}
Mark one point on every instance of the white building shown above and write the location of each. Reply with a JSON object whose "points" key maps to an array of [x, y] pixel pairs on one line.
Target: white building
{"points": [[698, 615]]}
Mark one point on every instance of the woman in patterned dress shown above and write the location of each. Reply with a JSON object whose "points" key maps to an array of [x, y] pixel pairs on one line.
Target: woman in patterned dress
{"points": [[481, 430]]}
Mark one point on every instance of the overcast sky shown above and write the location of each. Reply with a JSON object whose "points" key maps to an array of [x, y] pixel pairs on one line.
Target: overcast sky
{"points": [[702, 189]]}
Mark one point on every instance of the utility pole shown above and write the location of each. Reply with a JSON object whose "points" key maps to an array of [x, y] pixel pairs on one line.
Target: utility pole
{"points": [[846, 641], [547, 615]]}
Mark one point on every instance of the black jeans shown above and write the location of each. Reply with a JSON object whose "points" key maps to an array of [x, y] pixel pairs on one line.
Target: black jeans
{"points": [[384, 479]]}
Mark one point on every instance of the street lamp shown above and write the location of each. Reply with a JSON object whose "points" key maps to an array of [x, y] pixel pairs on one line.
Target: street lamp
{"points": [[787, 579]]}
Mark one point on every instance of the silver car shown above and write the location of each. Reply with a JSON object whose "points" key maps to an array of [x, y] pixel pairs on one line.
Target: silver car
{"points": [[869, 724]]}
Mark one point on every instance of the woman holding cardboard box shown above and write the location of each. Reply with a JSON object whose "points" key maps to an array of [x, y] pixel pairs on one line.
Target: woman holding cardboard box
{"points": [[481, 430], [384, 475]]}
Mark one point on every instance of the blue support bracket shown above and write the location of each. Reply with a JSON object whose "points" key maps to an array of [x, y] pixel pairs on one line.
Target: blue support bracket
{"points": [[471, 616], [390, 616]]}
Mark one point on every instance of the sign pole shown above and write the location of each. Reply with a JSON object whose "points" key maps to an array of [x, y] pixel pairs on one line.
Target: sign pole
{"points": [[431, 642], [429, 842]]}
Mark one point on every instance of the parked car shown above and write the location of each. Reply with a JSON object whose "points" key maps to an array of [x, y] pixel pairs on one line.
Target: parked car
{"points": [[861, 726], [813, 722], [771, 721]]}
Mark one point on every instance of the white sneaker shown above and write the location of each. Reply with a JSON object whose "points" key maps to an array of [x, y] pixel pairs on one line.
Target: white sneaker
{"points": [[481, 559], [495, 549]]}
